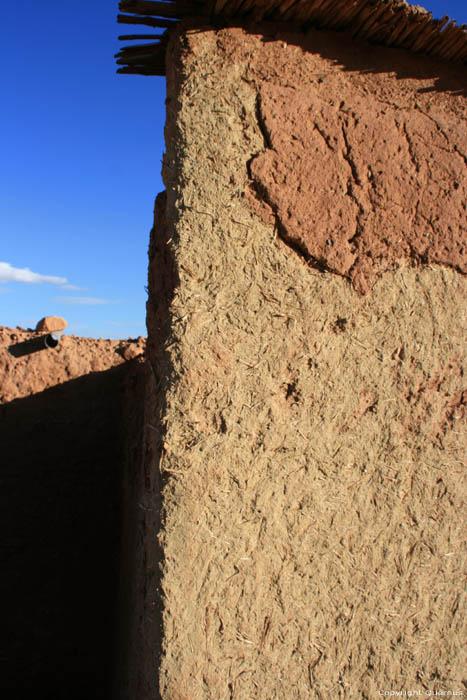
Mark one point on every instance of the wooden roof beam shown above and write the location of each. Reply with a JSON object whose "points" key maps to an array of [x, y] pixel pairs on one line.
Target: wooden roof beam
{"points": [[147, 21], [389, 22], [174, 10], [137, 49], [137, 37], [158, 69]]}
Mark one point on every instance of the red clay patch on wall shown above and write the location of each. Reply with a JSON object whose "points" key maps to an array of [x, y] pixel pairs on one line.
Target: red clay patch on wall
{"points": [[365, 155], [356, 187]]}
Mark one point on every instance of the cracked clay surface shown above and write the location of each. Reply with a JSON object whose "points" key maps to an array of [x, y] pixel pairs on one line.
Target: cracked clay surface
{"points": [[360, 172], [357, 185]]}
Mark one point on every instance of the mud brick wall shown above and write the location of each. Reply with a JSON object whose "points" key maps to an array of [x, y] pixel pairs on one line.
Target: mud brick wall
{"points": [[306, 326]]}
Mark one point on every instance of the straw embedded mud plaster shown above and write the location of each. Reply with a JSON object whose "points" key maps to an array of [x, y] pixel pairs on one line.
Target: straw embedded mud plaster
{"points": [[310, 440]]}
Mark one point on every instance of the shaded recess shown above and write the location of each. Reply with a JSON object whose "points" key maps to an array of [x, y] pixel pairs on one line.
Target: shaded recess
{"points": [[163, 279], [70, 430], [141, 634], [60, 474]]}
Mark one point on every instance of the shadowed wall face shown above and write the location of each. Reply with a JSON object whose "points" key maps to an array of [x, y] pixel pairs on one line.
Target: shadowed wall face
{"points": [[61, 471], [312, 440]]}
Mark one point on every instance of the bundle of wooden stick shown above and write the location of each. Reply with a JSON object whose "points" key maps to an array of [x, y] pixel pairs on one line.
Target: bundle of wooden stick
{"points": [[386, 22]]}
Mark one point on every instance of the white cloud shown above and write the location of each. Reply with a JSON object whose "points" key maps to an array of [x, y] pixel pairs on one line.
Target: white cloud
{"points": [[8, 273], [73, 288], [82, 301]]}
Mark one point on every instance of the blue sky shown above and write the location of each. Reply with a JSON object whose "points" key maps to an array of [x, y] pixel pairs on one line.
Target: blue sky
{"points": [[81, 149]]}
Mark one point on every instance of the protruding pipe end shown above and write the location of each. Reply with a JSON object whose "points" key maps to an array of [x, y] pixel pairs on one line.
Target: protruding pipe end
{"points": [[52, 340]]}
